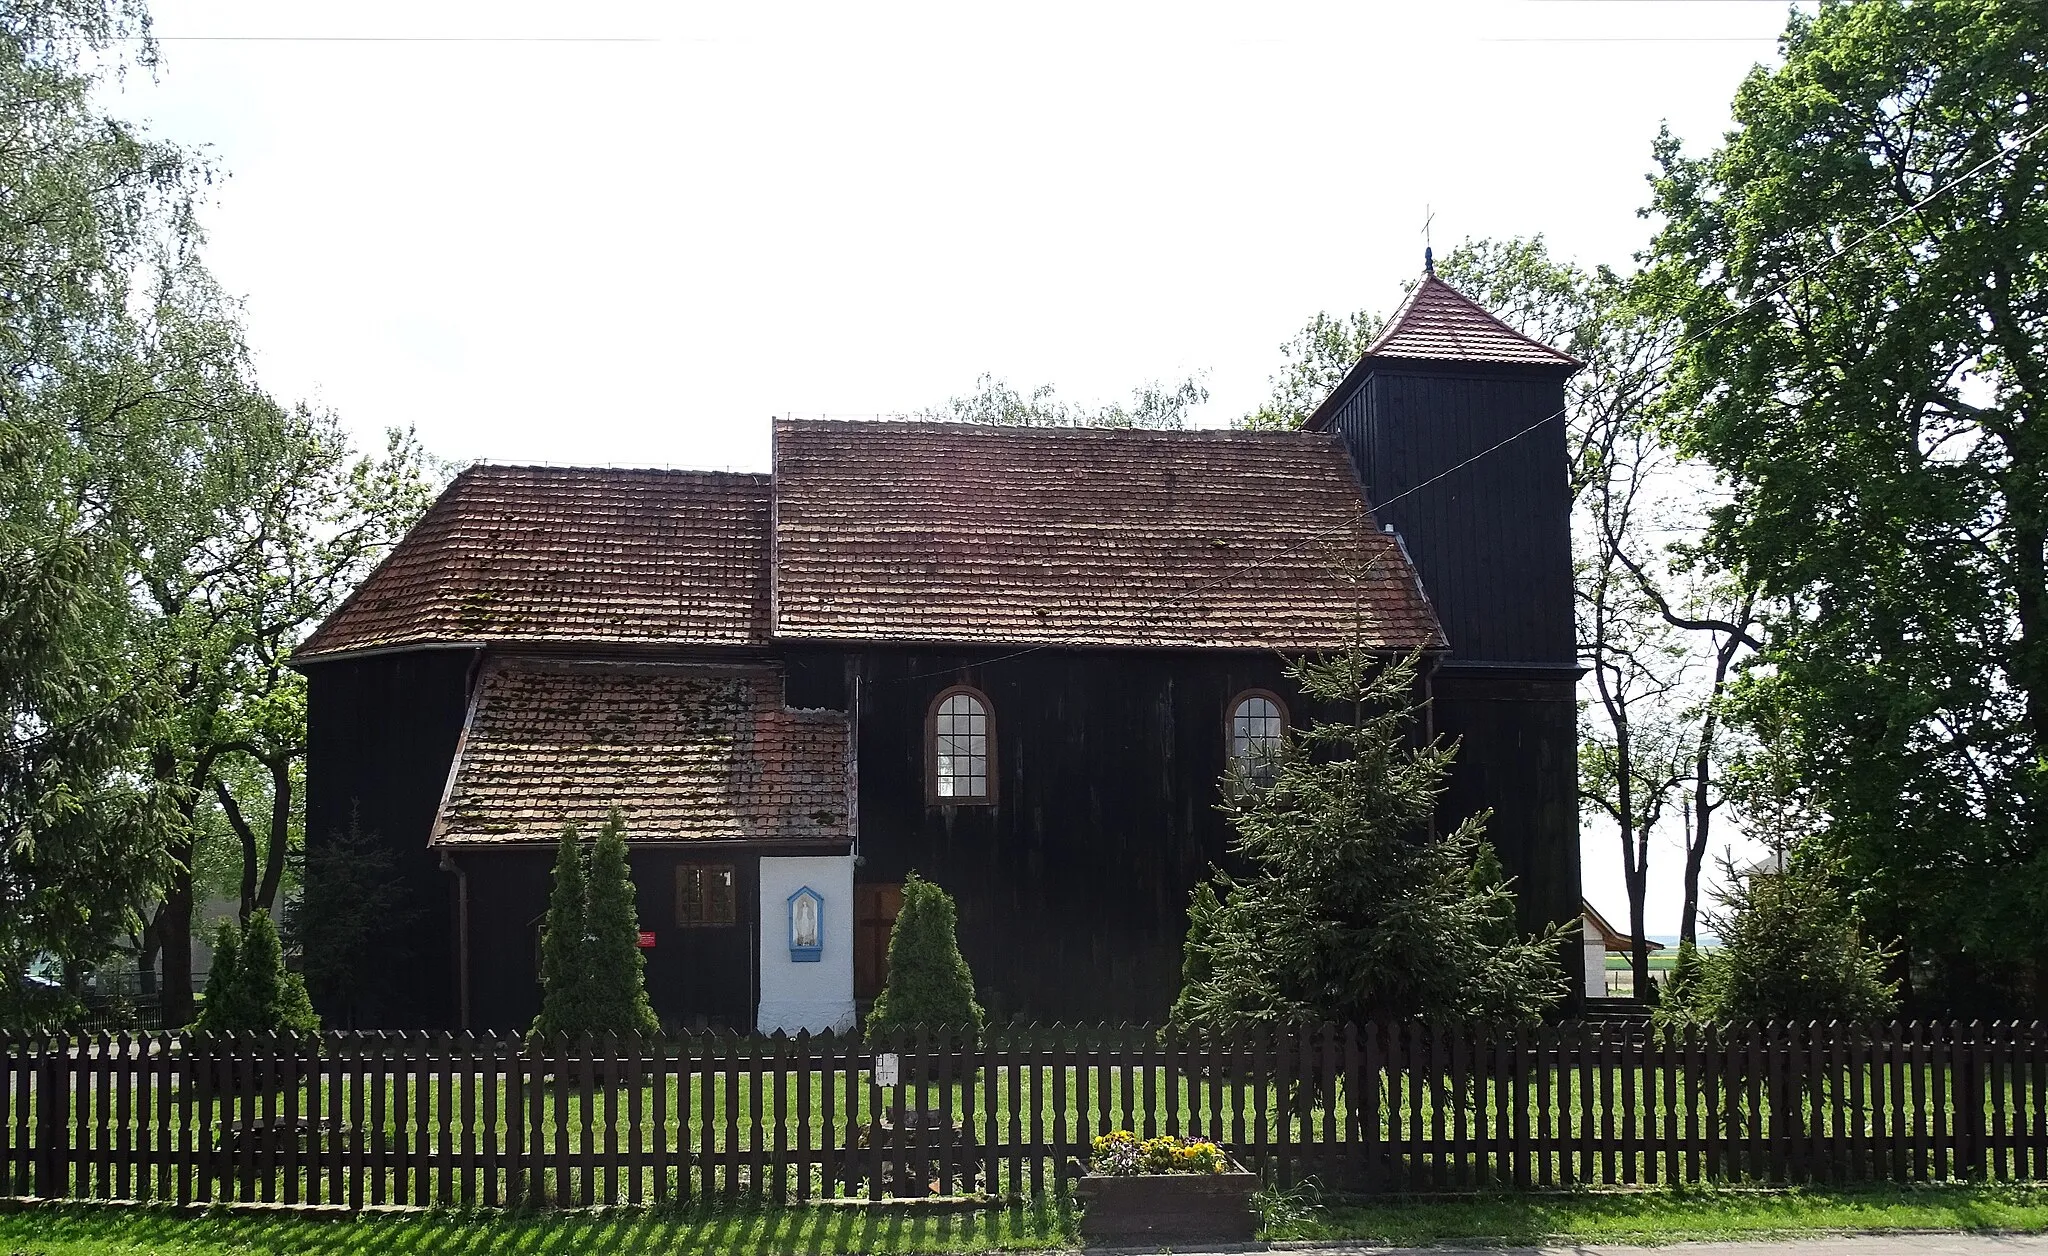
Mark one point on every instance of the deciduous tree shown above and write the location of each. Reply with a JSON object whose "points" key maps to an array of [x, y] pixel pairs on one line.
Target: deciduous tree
{"points": [[1862, 271], [94, 222], [993, 400]]}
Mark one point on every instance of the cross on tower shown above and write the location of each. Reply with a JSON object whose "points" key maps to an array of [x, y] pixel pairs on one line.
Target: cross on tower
{"points": [[1428, 256]]}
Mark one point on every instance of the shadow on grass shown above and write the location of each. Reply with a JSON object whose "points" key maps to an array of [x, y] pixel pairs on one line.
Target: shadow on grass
{"points": [[1670, 1215], [621, 1232]]}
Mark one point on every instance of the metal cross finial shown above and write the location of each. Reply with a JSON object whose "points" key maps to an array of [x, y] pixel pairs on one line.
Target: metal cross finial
{"points": [[1428, 255]]}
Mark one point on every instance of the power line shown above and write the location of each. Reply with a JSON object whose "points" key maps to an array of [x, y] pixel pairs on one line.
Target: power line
{"points": [[2017, 147], [1628, 39], [1677, 348], [396, 39]]}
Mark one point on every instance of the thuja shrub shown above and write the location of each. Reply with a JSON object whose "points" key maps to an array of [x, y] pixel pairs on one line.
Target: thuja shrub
{"points": [[929, 981], [249, 989]]}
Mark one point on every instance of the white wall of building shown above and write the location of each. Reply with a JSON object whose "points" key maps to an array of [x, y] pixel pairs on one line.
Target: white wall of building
{"points": [[806, 995], [1596, 962]]}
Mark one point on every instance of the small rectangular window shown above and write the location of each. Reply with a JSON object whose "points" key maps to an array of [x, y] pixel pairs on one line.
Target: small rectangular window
{"points": [[706, 894]]}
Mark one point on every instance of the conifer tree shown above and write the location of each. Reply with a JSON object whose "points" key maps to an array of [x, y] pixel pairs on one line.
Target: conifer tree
{"points": [[929, 981], [1792, 948], [1352, 909], [1488, 877], [1194, 955], [220, 1011], [249, 989], [562, 1004], [273, 997], [614, 970]]}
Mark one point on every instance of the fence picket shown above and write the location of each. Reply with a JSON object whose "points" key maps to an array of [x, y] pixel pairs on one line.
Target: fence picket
{"points": [[438, 1120], [2037, 1068], [1039, 1115]]}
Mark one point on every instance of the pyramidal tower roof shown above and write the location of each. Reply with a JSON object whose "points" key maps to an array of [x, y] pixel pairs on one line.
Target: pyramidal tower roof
{"points": [[1439, 323]]}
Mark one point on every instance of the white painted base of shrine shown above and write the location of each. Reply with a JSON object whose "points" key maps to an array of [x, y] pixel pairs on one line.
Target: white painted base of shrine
{"points": [[814, 994], [1595, 952]]}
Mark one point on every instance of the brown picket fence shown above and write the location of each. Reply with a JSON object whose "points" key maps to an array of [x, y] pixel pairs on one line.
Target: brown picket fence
{"points": [[422, 1120]]}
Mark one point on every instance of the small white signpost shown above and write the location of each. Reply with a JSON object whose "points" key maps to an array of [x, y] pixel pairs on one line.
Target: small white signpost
{"points": [[885, 1070]]}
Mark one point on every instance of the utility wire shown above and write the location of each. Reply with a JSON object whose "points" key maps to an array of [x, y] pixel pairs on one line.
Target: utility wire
{"points": [[1321, 535]]}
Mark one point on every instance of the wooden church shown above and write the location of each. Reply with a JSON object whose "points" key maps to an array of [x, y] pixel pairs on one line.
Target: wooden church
{"points": [[1015, 660]]}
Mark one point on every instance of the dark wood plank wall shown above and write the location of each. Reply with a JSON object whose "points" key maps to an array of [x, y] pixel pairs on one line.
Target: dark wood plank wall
{"points": [[1493, 539], [1073, 883], [380, 734], [1517, 736], [1492, 543], [696, 974]]}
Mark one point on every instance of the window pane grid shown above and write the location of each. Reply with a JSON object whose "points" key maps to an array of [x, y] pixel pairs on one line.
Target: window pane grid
{"points": [[1256, 729], [706, 895], [960, 748]]}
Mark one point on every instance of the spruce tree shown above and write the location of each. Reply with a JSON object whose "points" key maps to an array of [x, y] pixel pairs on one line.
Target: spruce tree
{"points": [[561, 949], [929, 981], [614, 970], [1791, 949], [1489, 878], [1352, 909]]}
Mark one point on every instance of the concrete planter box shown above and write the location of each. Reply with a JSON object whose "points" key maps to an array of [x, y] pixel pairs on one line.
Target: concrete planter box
{"points": [[1160, 1208]]}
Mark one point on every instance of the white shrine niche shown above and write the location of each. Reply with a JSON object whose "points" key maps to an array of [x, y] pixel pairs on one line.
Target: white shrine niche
{"points": [[806, 944]]}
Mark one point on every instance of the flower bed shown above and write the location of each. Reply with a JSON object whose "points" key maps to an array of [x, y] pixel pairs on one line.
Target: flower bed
{"points": [[1160, 1189]]}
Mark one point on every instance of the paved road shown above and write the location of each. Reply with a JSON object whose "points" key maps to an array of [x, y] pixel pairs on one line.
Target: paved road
{"points": [[1862, 1245]]}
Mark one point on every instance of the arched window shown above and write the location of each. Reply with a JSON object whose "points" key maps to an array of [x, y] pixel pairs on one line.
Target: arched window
{"points": [[962, 747], [1257, 724]]}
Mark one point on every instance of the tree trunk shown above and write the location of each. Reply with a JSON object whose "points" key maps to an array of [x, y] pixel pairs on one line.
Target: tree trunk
{"points": [[1639, 941], [280, 833], [174, 933], [262, 861]]}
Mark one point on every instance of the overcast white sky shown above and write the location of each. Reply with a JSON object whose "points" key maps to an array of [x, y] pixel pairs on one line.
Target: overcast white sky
{"points": [[631, 232]]}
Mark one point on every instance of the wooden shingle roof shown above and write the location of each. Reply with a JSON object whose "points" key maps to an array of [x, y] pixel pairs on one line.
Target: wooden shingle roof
{"points": [[691, 754], [550, 554], [961, 533], [1439, 323]]}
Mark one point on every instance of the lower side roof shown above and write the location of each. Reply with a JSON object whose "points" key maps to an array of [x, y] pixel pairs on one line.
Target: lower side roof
{"points": [[690, 753]]}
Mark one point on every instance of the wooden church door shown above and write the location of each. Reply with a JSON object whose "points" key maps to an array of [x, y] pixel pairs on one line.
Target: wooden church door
{"points": [[875, 906]]}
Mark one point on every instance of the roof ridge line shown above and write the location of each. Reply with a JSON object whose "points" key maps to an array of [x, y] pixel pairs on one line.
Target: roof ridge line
{"points": [[1406, 314], [1043, 429]]}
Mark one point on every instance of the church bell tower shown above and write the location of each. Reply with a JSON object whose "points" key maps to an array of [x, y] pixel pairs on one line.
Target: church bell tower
{"points": [[1456, 424]]}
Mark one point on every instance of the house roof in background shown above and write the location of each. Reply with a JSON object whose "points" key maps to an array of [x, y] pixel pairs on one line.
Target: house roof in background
{"points": [[1438, 322], [690, 753], [1611, 938], [962, 533], [556, 554]]}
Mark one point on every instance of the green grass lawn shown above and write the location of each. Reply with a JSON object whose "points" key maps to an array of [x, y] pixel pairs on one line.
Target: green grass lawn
{"points": [[1674, 1216], [1662, 962], [1640, 1217], [84, 1231]]}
